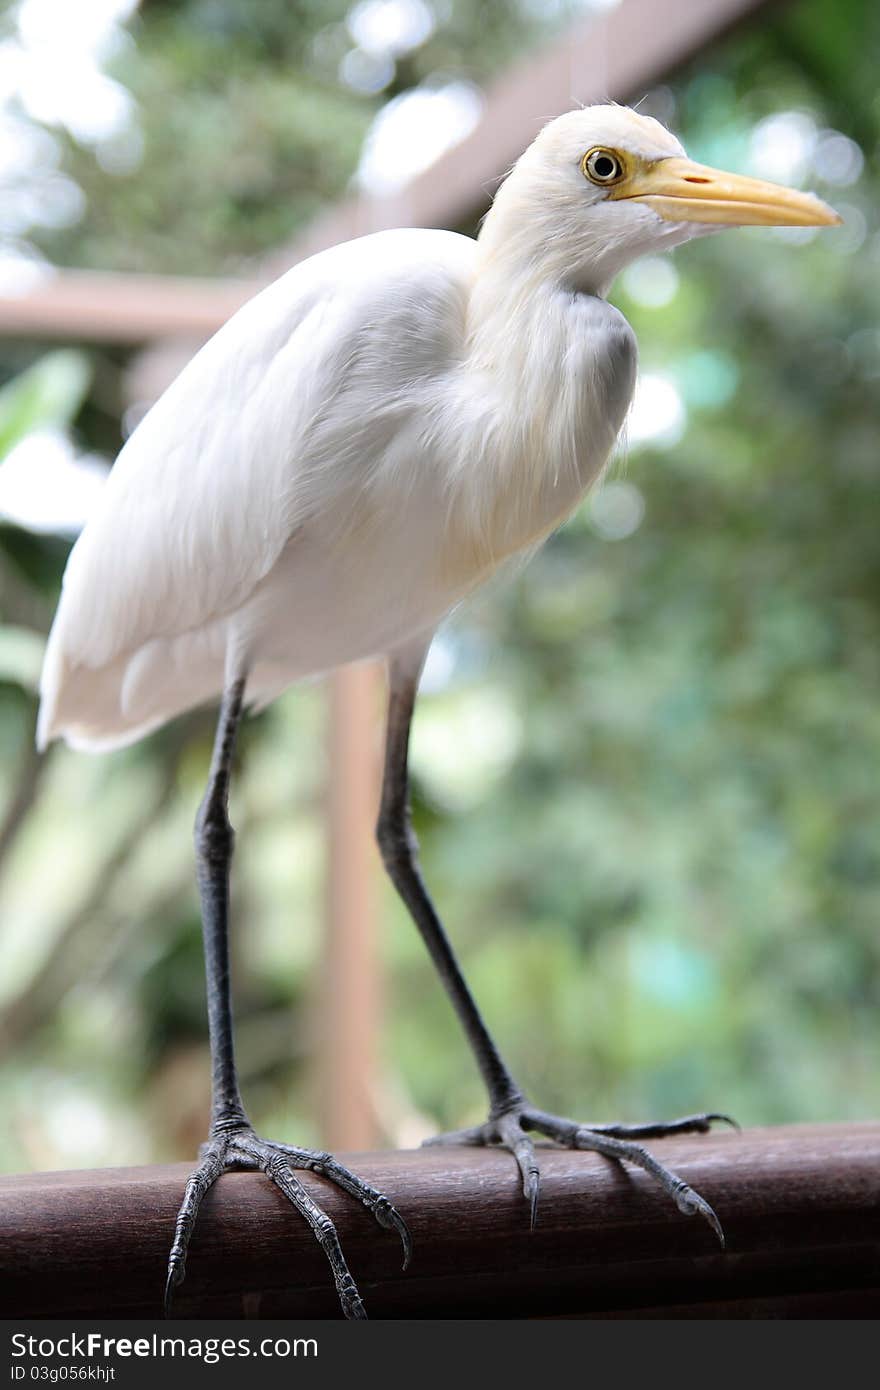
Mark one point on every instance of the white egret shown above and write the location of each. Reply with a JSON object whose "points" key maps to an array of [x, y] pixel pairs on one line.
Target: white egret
{"points": [[358, 448]]}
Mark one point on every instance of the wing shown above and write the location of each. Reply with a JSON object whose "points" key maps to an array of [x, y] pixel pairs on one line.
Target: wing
{"points": [[239, 451]]}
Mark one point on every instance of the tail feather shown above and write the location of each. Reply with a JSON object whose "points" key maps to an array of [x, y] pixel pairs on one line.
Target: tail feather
{"points": [[98, 709]]}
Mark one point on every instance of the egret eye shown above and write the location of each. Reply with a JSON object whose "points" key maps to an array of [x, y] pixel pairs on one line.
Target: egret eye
{"points": [[602, 166]]}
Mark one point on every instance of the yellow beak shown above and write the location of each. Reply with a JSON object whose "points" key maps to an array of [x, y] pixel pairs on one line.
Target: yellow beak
{"points": [[682, 191]]}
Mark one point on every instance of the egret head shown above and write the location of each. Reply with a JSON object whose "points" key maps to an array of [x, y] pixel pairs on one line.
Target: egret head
{"points": [[601, 186]]}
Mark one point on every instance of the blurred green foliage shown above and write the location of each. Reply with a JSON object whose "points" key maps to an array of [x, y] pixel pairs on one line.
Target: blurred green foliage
{"points": [[51, 392], [646, 771]]}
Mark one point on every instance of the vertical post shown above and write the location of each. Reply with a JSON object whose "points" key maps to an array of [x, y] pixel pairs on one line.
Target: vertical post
{"points": [[350, 978]]}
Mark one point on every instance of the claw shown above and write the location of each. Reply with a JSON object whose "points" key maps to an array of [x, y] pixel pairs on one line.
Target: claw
{"points": [[389, 1217], [402, 1230], [532, 1191], [690, 1203], [175, 1278], [725, 1119], [716, 1225]]}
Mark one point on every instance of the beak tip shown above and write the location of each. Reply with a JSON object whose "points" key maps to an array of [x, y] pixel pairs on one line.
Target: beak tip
{"points": [[828, 216]]}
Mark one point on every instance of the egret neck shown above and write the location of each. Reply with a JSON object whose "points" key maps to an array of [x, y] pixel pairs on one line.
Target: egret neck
{"points": [[553, 365]]}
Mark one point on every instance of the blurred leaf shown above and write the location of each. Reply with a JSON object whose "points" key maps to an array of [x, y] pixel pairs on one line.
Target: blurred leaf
{"points": [[50, 393], [21, 656]]}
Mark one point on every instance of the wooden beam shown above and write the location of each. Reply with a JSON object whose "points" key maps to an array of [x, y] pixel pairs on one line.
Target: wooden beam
{"points": [[799, 1207], [99, 306], [349, 1009]]}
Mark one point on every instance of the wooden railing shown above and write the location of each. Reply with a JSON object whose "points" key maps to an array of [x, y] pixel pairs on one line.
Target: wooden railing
{"points": [[799, 1206]]}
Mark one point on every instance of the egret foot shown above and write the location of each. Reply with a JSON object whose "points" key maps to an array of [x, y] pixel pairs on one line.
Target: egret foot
{"points": [[240, 1147], [508, 1130]]}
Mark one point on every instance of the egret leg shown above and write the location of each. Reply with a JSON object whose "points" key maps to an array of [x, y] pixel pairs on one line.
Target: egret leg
{"points": [[232, 1142], [511, 1116]]}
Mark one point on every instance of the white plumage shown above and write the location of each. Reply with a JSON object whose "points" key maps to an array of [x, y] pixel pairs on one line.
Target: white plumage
{"points": [[359, 446], [348, 456], [326, 477]]}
